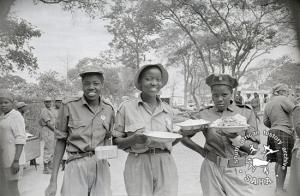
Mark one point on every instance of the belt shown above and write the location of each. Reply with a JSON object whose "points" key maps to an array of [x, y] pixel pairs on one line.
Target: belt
{"points": [[225, 162], [79, 155], [153, 151]]}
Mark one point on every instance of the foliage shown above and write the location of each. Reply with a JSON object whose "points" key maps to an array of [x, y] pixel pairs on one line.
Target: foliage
{"points": [[231, 33], [15, 51], [131, 26]]}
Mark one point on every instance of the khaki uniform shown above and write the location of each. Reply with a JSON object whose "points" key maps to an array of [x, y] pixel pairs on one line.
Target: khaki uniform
{"points": [[84, 129], [147, 173], [47, 115], [223, 177]]}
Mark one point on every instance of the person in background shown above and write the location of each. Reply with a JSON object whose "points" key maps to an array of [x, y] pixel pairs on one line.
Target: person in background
{"points": [[12, 126], [293, 187], [238, 98], [248, 98], [255, 103], [150, 168], [57, 105], [83, 124], [23, 109], [278, 117], [224, 154], [47, 121]]}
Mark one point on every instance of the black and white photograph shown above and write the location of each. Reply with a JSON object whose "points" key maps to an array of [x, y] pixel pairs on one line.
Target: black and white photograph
{"points": [[149, 97]]}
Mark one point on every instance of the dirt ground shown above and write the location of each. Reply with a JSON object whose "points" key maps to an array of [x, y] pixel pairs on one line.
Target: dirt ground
{"points": [[188, 163]]}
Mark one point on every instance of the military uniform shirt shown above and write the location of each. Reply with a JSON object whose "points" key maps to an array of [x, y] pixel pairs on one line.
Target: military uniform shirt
{"points": [[220, 144], [134, 115], [83, 128]]}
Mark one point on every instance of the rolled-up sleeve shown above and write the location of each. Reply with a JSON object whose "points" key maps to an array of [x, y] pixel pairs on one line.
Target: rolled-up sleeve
{"points": [[119, 128], [18, 129], [61, 127]]}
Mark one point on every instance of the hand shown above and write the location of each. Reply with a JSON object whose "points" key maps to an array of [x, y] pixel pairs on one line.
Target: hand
{"points": [[229, 135], [193, 131], [51, 189], [15, 167], [140, 138]]}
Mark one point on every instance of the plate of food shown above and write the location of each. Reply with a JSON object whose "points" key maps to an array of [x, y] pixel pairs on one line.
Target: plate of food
{"points": [[192, 124], [231, 124], [162, 136]]}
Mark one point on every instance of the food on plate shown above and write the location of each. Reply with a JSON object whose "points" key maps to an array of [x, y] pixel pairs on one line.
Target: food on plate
{"points": [[191, 124], [231, 121]]}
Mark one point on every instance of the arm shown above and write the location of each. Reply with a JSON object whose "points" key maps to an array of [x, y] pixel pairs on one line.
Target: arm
{"points": [[61, 134], [252, 131], [296, 120], [122, 139], [266, 120], [15, 165], [288, 106], [188, 142], [58, 155]]}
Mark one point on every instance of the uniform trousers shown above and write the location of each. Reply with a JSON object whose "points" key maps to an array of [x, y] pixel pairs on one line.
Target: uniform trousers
{"points": [[151, 174]]}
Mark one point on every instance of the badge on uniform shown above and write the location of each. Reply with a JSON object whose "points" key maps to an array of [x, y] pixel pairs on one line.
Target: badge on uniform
{"points": [[102, 117]]}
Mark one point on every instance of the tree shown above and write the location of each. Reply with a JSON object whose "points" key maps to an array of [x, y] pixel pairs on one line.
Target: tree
{"points": [[237, 31], [50, 85], [131, 26], [15, 51]]}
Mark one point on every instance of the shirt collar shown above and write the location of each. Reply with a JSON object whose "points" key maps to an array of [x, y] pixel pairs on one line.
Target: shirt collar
{"points": [[230, 108], [84, 102], [160, 103]]}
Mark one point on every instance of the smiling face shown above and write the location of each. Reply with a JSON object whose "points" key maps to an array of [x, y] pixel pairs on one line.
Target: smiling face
{"points": [[6, 105], [151, 81], [221, 96], [91, 86]]}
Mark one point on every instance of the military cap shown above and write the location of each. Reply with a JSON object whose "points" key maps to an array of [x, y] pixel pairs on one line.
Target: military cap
{"points": [[47, 99], [279, 87], [164, 73], [58, 98], [4, 93], [90, 68], [222, 79], [20, 105]]}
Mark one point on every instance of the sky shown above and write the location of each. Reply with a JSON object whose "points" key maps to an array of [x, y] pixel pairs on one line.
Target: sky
{"points": [[68, 37]]}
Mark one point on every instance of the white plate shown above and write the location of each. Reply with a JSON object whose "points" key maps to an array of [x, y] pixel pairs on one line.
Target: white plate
{"points": [[162, 134], [192, 124]]}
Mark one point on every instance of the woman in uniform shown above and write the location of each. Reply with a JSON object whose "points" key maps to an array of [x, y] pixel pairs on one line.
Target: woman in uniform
{"points": [[149, 169], [224, 166]]}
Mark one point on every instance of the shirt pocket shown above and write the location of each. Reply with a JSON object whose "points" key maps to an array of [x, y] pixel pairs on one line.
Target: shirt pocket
{"points": [[78, 124], [134, 127]]}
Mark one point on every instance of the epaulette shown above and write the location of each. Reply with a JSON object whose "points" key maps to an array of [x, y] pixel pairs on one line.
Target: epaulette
{"points": [[107, 102], [244, 106], [71, 99]]}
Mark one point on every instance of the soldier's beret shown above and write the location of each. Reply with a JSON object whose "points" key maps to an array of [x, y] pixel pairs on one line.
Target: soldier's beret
{"points": [[222, 79]]}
